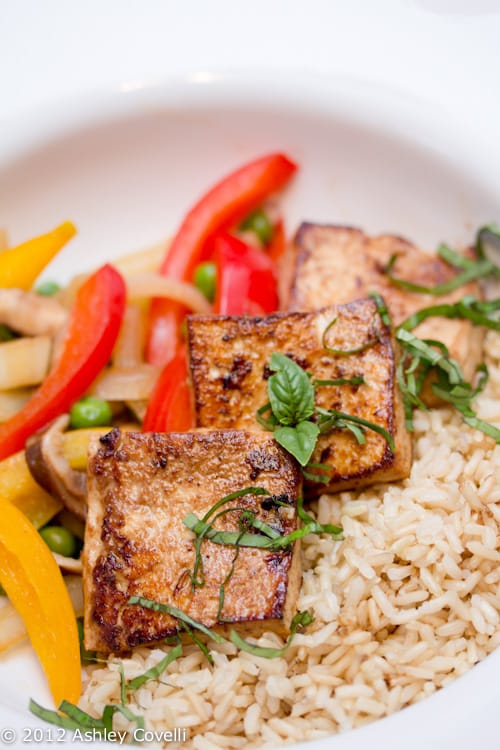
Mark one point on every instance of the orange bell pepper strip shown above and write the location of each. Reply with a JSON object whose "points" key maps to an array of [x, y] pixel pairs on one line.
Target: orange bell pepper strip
{"points": [[170, 408], [34, 585], [21, 265], [222, 208], [92, 332]]}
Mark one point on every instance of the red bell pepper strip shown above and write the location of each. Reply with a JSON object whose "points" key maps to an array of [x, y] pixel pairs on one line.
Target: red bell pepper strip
{"points": [[246, 280], [169, 408], [93, 329], [222, 208], [277, 246]]}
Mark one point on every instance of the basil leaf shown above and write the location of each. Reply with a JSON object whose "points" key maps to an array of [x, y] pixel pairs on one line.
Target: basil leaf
{"points": [[291, 392], [300, 441]]}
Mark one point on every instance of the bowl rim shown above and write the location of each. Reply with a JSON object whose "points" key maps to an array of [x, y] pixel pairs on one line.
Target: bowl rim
{"points": [[473, 694]]}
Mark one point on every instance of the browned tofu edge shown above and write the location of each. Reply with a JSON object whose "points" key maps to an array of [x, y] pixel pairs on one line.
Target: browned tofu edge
{"points": [[105, 637]]}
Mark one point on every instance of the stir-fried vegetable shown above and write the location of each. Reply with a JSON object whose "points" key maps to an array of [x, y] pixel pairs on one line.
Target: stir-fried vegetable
{"points": [[90, 412], [169, 408], [35, 587], [59, 540], [24, 361], [226, 204], [21, 265], [93, 329], [12, 628], [246, 280]]}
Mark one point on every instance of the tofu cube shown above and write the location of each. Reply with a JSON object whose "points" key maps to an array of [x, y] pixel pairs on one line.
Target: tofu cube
{"points": [[340, 264], [229, 361], [140, 488]]}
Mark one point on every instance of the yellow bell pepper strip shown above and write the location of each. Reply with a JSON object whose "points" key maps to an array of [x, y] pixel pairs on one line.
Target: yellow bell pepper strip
{"points": [[35, 586], [21, 265], [93, 328], [18, 487]]}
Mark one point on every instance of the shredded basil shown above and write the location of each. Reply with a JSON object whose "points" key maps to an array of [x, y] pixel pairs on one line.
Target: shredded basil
{"points": [[53, 717], [301, 619], [268, 538], [357, 380], [479, 269], [479, 313], [345, 352], [154, 672], [198, 565]]}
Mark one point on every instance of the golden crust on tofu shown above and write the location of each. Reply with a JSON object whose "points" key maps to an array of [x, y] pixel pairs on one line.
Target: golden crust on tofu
{"points": [[140, 487], [335, 264], [229, 360]]}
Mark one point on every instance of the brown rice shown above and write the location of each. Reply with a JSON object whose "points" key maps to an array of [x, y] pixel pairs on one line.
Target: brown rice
{"points": [[409, 601]]}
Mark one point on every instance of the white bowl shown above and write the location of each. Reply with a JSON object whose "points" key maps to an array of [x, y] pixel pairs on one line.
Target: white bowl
{"points": [[126, 165]]}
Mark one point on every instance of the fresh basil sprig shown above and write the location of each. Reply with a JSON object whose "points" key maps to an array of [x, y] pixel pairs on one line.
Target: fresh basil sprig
{"points": [[293, 417]]}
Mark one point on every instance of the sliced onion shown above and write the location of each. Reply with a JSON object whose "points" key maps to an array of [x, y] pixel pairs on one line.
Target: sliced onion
{"points": [[129, 347], [24, 361], [143, 261], [125, 383], [69, 564], [155, 285]]}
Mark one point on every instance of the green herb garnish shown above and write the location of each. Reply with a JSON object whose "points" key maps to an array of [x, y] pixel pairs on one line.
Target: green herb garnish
{"points": [[294, 419], [470, 270], [345, 352], [268, 538], [301, 619], [478, 312], [154, 672]]}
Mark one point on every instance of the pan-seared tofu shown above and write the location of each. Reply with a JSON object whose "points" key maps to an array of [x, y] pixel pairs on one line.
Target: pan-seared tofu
{"points": [[140, 488], [229, 359], [335, 264]]}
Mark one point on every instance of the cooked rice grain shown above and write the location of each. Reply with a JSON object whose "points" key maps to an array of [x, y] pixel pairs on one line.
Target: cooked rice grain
{"points": [[409, 601]]}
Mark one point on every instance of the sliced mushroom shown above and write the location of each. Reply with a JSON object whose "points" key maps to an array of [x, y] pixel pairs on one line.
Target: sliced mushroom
{"points": [[48, 466], [29, 313]]}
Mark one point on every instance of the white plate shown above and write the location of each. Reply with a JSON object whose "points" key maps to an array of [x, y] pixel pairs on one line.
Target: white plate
{"points": [[125, 166]]}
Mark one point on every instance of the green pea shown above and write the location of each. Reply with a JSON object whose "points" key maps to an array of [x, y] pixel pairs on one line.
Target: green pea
{"points": [[204, 278], [90, 412], [259, 223], [59, 540], [48, 288], [6, 334]]}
